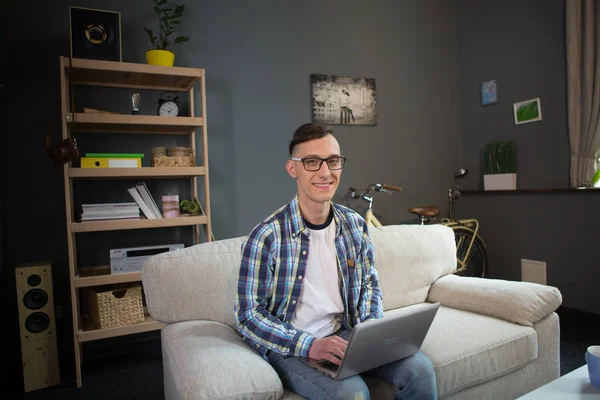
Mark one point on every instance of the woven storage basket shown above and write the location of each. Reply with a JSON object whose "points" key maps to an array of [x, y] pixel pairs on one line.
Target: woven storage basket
{"points": [[116, 306], [176, 157]]}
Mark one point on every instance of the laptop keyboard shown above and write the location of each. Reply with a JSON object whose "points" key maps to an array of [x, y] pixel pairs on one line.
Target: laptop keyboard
{"points": [[329, 365]]}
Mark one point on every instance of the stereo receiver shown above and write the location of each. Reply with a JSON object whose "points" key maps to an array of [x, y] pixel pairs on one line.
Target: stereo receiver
{"points": [[131, 259]]}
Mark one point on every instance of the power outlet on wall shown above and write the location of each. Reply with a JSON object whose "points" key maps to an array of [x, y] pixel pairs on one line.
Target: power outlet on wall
{"points": [[533, 271]]}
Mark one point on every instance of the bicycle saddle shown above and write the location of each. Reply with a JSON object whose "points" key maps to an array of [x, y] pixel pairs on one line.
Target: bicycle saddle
{"points": [[427, 212]]}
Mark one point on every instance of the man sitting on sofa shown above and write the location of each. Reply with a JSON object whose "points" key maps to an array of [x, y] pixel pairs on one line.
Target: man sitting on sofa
{"points": [[307, 278]]}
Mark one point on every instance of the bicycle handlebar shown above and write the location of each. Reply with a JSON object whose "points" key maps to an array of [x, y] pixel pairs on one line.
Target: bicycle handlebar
{"points": [[391, 187]]}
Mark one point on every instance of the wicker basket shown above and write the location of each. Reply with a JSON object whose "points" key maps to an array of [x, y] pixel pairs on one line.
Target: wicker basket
{"points": [[176, 157], [115, 306]]}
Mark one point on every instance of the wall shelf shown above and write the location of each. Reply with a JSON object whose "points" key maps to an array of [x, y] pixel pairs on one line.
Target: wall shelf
{"points": [[117, 225], [530, 191]]}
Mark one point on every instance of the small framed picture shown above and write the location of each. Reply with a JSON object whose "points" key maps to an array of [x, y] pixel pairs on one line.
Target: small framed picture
{"points": [[527, 111], [489, 92]]}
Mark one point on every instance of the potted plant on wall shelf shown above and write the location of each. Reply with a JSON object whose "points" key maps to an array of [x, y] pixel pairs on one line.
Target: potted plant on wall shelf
{"points": [[500, 166], [169, 15]]}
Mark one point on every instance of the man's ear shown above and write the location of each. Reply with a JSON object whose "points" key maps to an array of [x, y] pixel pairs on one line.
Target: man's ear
{"points": [[291, 168]]}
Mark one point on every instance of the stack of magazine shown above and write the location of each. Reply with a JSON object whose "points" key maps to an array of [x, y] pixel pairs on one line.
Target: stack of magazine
{"points": [[106, 211], [145, 201]]}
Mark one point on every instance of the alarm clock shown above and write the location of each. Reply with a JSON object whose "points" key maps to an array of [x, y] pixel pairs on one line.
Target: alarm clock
{"points": [[168, 106]]}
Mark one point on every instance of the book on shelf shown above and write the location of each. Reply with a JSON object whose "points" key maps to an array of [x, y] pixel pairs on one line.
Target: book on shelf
{"points": [[106, 211], [145, 201]]}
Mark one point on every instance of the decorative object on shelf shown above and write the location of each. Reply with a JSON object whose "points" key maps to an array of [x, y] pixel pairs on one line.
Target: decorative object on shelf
{"points": [[338, 100], [169, 15], [500, 166], [168, 105], [114, 306], [596, 179], [95, 34], [527, 111], [63, 152], [135, 102], [174, 157], [170, 206], [189, 207], [489, 92]]}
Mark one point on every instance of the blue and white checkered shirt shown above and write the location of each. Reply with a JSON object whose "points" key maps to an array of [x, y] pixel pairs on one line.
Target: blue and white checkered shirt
{"points": [[274, 259]]}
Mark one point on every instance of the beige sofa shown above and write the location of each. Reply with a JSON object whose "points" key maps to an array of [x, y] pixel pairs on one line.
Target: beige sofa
{"points": [[491, 339]]}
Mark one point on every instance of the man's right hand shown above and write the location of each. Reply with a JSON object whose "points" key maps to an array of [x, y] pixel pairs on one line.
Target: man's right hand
{"points": [[331, 348]]}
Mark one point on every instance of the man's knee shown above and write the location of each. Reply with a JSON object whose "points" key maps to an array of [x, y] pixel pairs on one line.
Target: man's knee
{"points": [[353, 388]]}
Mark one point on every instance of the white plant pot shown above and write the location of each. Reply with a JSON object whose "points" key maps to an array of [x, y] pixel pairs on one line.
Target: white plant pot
{"points": [[500, 181]]}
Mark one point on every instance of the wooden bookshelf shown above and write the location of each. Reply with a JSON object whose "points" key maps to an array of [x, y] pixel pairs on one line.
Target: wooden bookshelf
{"points": [[143, 172], [140, 76], [138, 124]]}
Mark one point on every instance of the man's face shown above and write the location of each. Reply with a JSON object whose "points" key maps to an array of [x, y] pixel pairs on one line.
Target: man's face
{"points": [[316, 187]]}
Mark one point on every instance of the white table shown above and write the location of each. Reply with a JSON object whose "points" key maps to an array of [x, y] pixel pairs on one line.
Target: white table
{"points": [[574, 385]]}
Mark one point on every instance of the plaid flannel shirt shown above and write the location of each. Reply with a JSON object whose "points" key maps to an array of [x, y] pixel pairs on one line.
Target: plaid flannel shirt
{"points": [[274, 259]]}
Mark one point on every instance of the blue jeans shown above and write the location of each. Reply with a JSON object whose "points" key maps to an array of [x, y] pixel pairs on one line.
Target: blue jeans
{"points": [[413, 377]]}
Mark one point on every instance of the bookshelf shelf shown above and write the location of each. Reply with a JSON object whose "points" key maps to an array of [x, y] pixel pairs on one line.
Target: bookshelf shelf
{"points": [[131, 75], [100, 275], [87, 334], [117, 225], [88, 73], [144, 172], [138, 124]]}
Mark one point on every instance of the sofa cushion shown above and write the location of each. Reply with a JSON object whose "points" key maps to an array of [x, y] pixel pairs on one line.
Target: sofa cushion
{"points": [[203, 360], [409, 258], [523, 303], [468, 349], [198, 282]]}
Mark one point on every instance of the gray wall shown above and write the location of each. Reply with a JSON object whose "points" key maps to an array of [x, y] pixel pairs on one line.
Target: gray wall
{"points": [[258, 58], [522, 45]]}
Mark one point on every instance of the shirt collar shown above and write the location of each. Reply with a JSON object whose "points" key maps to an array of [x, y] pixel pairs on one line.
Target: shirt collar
{"points": [[298, 225]]}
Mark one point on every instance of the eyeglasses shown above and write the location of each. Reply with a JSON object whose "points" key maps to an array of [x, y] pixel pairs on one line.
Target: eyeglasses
{"points": [[315, 163]]}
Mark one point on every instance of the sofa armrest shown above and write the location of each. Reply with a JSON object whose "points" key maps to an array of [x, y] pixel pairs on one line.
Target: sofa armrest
{"points": [[524, 303]]}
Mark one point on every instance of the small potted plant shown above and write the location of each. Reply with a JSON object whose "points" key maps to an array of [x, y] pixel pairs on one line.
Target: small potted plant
{"points": [[169, 15], [500, 166]]}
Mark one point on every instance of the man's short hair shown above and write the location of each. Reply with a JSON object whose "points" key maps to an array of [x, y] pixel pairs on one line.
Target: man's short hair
{"points": [[308, 132]]}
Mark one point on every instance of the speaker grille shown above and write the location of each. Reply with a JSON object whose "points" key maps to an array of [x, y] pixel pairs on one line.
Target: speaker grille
{"points": [[37, 322], [34, 280], [35, 299]]}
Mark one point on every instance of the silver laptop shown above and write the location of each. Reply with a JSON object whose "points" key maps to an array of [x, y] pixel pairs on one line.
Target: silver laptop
{"points": [[376, 342]]}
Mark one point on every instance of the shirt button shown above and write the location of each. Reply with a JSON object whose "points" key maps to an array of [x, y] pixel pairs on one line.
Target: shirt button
{"points": [[300, 277], [293, 235], [293, 301], [303, 252]]}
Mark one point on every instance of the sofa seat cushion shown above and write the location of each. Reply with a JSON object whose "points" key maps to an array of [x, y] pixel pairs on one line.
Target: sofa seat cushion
{"points": [[203, 360], [468, 349]]}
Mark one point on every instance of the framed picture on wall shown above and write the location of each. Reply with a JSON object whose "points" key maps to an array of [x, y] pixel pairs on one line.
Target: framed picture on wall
{"points": [[527, 111], [489, 92], [343, 100]]}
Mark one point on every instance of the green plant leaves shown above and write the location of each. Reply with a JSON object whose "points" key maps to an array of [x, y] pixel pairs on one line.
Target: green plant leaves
{"points": [[169, 15], [500, 157]]}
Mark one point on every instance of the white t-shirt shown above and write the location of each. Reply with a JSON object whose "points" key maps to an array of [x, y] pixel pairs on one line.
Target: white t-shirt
{"points": [[320, 305]]}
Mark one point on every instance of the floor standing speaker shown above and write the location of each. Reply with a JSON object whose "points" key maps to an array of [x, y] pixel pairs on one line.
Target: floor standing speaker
{"points": [[37, 326]]}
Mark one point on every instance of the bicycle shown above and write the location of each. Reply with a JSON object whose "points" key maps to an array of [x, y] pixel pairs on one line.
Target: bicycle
{"points": [[471, 253]]}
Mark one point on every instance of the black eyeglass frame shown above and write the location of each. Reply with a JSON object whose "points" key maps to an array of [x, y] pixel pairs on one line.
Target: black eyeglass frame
{"points": [[326, 160]]}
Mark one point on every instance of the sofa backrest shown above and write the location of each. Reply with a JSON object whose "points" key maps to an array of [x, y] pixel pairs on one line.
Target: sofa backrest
{"points": [[200, 282]]}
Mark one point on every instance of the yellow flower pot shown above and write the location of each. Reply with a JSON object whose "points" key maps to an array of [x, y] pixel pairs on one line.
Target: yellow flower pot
{"points": [[160, 57]]}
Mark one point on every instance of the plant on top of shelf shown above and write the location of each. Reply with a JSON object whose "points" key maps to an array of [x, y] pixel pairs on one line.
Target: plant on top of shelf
{"points": [[169, 16], [500, 165]]}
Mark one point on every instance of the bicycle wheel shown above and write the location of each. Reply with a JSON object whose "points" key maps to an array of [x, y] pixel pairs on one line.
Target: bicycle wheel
{"points": [[476, 262]]}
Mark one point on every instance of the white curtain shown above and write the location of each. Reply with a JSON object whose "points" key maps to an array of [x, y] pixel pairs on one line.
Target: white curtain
{"points": [[583, 80]]}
